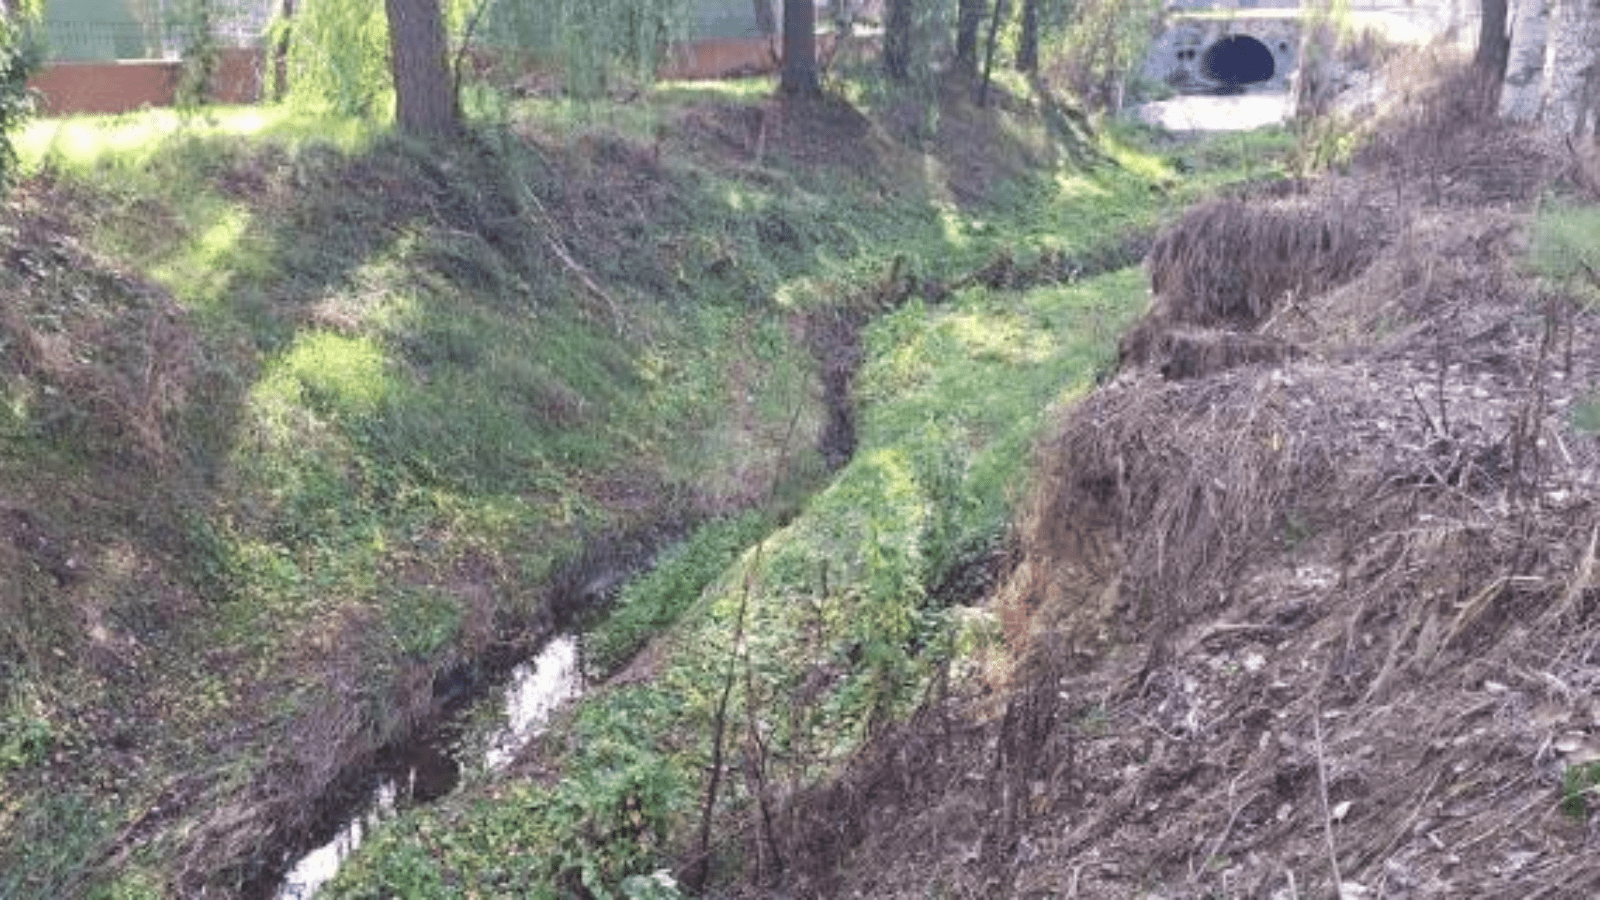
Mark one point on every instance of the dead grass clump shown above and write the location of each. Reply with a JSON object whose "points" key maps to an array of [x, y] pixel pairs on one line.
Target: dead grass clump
{"points": [[96, 357], [1189, 353], [1152, 494], [1447, 286], [1441, 137], [1229, 263]]}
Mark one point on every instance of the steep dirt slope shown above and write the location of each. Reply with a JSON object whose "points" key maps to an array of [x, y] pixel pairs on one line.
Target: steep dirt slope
{"points": [[1306, 600]]}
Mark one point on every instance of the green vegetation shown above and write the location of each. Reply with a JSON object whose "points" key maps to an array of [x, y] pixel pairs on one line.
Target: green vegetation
{"points": [[308, 415], [20, 53], [1565, 248], [654, 601], [1578, 784], [832, 624]]}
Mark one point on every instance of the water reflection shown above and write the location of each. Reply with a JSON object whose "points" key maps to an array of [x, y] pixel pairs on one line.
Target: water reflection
{"points": [[425, 771], [536, 689], [320, 865]]}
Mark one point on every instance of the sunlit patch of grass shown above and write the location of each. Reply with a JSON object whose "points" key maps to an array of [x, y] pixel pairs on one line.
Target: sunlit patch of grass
{"points": [[1133, 157], [342, 377], [132, 141], [202, 270], [573, 115], [742, 90]]}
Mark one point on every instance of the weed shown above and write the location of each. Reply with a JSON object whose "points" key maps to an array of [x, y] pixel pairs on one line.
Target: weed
{"points": [[65, 827], [1586, 415], [26, 734], [1578, 783]]}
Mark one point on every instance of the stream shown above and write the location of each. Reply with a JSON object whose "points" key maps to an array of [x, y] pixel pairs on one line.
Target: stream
{"points": [[425, 771]]}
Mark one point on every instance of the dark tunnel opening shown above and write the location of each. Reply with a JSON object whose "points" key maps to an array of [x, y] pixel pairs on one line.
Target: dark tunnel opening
{"points": [[1238, 60]]}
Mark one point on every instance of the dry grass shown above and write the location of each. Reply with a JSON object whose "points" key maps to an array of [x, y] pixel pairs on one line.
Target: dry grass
{"points": [[1230, 263], [1319, 601], [119, 368], [1435, 143]]}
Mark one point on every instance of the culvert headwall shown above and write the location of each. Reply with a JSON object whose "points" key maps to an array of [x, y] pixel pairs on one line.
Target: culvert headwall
{"points": [[1202, 54]]}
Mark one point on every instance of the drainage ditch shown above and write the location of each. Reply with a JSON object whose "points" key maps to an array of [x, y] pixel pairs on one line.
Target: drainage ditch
{"points": [[423, 766]]}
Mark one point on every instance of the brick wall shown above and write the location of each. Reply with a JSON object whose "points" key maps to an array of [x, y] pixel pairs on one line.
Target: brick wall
{"points": [[115, 87]]}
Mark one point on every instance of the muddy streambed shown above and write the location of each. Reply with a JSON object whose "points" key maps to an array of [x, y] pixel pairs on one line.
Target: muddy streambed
{"points": [[427, 768]]}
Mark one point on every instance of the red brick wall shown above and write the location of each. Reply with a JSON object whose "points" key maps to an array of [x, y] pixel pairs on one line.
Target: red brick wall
{"points": [[721, 57], [725, 57], [116, 87]]}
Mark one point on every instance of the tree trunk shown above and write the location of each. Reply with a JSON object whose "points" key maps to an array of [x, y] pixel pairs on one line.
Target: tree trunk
{"points": [[969, 21], [988, 60], [424, 106], [280, 51], [800, 47], [1494, 51], [1028, 41], [766, 23], [897, 39]]}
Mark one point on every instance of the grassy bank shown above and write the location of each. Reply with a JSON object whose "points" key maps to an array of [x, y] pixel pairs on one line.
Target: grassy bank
{"points": [[298, 416]]}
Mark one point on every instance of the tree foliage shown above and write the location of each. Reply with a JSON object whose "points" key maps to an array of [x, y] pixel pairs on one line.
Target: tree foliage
{"points": [[591, 42], [1094, 46], [20, 54], [339, 57], [201, 53], [338, 50]]}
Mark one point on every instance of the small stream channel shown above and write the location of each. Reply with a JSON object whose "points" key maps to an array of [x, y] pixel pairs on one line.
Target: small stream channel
{"points": [[427, 770], [422, 770]]}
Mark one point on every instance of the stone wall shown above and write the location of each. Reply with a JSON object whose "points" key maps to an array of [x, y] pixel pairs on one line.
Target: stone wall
{"points": [[1553, 77]]}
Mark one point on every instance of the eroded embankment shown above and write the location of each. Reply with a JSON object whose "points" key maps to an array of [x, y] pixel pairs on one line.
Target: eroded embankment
{"points": [[1306, 601]]}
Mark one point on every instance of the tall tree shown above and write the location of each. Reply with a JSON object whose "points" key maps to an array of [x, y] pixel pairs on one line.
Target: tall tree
{"points": [[988, 57], [1028, 40], [1494, 51], [424, 103], [897, 26], [280, 49], [969, 21], [800, 47]]}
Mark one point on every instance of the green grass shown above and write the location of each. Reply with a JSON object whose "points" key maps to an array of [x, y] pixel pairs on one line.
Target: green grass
{"points": [[1564, 248], [952, 398], [133, 142], [1578, 784], [654, 601]]}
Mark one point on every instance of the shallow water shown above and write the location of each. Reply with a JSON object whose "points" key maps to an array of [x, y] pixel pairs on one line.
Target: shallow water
{"points": [[1210, 112], [426, 772], [536, 689]]}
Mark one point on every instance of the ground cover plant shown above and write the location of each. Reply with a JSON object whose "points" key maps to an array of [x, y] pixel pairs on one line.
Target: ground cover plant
{"points": [[830, 629]]}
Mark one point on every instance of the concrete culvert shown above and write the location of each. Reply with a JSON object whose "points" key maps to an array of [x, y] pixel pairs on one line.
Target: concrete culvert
{"points": [[1238, 60]]}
